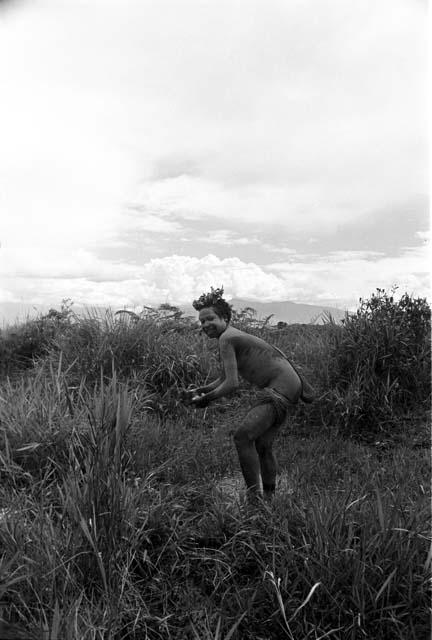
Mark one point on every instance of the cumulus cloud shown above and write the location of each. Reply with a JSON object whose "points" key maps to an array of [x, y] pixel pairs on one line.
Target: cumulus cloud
{"points": [[340, 279], [181, 278], [83, 291], [87, 279], [347, 276]]}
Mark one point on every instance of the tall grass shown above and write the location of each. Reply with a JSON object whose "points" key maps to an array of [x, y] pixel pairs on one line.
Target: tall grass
{"points": [[349, 559], [131, 538], [369, 373], [115, 517]]}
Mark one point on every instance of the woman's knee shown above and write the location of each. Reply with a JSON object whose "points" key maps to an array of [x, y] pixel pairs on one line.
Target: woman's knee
{"points": [[262, 446], [242, 437]]}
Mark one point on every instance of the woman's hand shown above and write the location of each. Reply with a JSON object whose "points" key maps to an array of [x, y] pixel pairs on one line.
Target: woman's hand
{"points": [[189, 396], [200, 401], [186, 395]]}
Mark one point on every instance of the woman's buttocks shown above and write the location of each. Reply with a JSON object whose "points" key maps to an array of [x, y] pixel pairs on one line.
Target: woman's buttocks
{"points": [[287, 381]]}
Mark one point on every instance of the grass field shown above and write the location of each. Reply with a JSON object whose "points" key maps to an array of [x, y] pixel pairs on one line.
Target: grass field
{"points": [[122, 512]]}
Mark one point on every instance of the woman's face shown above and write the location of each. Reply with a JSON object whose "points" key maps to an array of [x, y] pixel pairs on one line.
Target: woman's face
{"points": [[211, 323]]}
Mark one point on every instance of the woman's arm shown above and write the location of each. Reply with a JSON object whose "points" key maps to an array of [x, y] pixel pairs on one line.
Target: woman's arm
{"points": [[229, 382], [209, 387], [188, 394]]}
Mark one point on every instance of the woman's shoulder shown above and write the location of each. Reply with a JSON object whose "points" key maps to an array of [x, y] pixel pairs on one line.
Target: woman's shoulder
{"points": [[230, 333], [240, 338]]}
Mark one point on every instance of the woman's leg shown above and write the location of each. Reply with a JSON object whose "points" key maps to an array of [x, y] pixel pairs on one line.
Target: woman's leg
{"points": [[268, 465], [255, 424]]}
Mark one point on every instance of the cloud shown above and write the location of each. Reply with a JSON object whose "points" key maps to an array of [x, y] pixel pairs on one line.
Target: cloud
{"points": [[274, 115], [325, 125], [82, 291], [347, 276], [424, 235], [181, 278], [275, 120], [33, 276], [227, 238], [31, 263], [136, 218], [340, 279], [313, 206]]}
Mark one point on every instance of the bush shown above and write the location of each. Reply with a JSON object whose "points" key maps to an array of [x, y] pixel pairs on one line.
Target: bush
{"points": [[381, 362], [22, 344]]}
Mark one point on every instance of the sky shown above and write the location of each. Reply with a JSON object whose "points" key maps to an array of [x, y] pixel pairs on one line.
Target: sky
{"points": [[150, 150]]}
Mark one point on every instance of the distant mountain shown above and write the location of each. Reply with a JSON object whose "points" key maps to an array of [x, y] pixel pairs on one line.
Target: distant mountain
{"points": [[12, 313], [285, 311], [289, 312], [16, 312]]}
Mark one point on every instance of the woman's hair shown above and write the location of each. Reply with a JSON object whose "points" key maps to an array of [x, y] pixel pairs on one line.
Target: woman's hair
{"points": [[215, 300]]}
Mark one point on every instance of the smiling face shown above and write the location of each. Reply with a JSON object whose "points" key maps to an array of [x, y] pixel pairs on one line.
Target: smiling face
{"points": [[211, 323]]}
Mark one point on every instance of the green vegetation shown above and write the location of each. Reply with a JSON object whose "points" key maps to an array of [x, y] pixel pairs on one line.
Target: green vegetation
{"points": [[121, 512]]}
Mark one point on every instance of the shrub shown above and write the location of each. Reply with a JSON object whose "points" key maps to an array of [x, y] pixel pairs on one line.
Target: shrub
{"points": [[23, 343], [381, 361]]}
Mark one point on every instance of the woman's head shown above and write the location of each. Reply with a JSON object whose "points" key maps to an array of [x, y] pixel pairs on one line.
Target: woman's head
{"points": [[215, 301]]}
